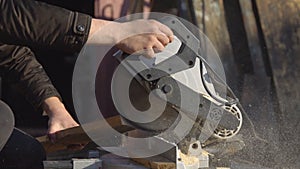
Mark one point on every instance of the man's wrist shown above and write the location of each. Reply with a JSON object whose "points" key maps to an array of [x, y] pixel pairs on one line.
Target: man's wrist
{"points": [[51, 105], [97, 24], [108, 36]]}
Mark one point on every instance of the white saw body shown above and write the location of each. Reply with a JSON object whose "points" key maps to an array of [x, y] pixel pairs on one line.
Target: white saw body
{"points": [[180, 68]]}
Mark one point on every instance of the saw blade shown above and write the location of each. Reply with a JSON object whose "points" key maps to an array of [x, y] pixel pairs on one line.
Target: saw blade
{"points": [[7, 123]]}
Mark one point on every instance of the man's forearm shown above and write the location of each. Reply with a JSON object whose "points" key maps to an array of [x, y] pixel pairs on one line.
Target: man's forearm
{"points": [[19, 66], [36, 24], [51, 105]]}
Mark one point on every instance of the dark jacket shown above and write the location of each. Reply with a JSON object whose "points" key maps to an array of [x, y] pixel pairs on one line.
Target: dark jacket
{"points": [[30, 24]]}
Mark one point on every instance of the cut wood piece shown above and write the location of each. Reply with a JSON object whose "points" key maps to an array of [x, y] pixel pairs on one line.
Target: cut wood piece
{"points": [[75, 136]]}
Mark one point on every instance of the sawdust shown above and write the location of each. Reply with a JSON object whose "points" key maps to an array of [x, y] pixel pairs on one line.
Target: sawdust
{"points": [[188, 160]]}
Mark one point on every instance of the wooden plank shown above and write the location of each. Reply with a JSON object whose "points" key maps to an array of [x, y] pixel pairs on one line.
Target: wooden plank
{"points": [[65, 139], [69, 138], [280, 21]]}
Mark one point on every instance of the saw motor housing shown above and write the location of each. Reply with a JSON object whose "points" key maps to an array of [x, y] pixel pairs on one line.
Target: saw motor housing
{"points": [[180, 71]]}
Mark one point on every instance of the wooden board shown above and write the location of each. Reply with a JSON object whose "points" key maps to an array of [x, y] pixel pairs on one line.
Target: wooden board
{"points": [[76, 136], [280, 21]]}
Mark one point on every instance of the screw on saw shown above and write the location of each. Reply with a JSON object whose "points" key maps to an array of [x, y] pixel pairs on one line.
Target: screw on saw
{"points": [[167, 89]]}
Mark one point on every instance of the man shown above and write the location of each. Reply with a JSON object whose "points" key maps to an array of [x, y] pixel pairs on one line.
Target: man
{"points": [[31, 24]]}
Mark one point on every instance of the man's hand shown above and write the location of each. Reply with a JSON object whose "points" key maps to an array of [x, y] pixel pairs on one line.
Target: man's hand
{"points": [[145, 36], [59, 118]]}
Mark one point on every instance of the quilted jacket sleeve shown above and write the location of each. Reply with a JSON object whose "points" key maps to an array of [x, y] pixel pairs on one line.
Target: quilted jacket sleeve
{"points": [[36, 24], [27, 23]]}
